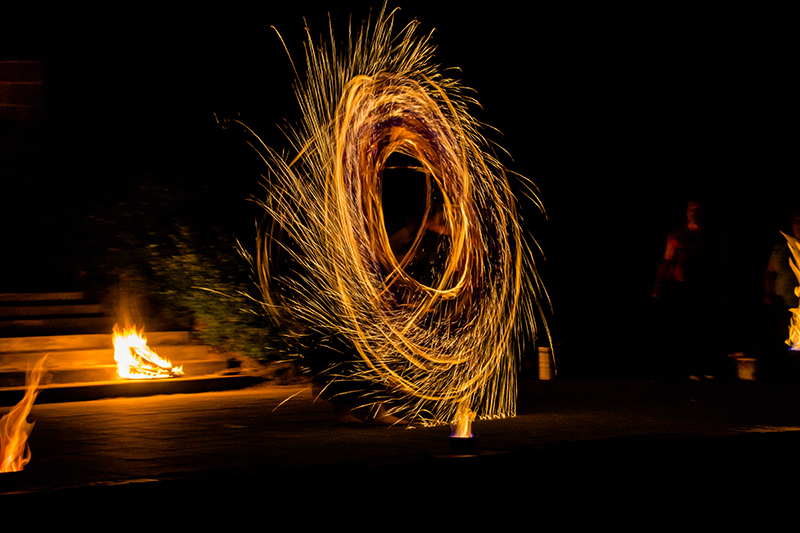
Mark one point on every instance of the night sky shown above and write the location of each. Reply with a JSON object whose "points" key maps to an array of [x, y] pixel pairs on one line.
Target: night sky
{"points": [[619, 114]]}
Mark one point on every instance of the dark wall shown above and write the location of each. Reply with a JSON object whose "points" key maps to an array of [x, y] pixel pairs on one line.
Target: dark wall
{"points": [[618, 115]]}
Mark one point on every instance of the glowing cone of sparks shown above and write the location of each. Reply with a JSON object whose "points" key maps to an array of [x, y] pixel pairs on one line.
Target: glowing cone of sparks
{"points": [[135, 360], [15, 451]]}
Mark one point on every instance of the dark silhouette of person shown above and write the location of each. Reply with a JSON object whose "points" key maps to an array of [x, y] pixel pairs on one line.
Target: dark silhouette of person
{"points": [[687, 290], [779, 279], [780, 298]]}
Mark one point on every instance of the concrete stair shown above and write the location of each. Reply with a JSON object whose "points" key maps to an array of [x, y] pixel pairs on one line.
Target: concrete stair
{"points": [[32, 314], [21, 91], [87, 358], [75, 333]]}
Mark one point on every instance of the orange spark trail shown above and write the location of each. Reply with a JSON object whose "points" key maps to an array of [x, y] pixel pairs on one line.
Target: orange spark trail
{"points": [[437, 313]]}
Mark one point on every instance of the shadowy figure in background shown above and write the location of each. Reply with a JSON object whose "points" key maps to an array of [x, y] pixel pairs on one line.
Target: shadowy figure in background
{"points": [[687, 291], [779, 297], [779, 279]]}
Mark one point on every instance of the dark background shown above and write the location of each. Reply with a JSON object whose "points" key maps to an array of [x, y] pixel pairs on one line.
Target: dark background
{"points": [[619, 113]]}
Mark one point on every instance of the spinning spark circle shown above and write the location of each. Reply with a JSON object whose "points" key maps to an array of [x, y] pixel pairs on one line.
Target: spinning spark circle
{"points": [[437, 313]]}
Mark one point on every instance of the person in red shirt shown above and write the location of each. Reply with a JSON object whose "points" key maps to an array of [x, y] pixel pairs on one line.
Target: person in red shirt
{"points": [[686, 285]]}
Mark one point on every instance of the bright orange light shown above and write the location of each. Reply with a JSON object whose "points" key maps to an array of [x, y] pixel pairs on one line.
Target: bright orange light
{"points": [[444, 322], [794, 327], [461, 427], [15, 452], [135, 360]]}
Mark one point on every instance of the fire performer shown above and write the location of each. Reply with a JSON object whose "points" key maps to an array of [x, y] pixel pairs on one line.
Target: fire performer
{"points": [[420, 343], [779, 279], [780, 300]]}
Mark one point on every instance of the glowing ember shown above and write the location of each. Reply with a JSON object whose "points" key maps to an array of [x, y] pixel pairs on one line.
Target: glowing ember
{"points": [[794, 327], [15, 452], [461, 427], [135, 360]]}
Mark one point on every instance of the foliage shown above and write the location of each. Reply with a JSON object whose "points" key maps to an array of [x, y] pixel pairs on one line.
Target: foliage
{"points": [[160, 243]]}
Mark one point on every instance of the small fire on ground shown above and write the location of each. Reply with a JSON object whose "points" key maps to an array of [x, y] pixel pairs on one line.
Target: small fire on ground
{"points": [[15, 452], [135, 360], [461, 427]]}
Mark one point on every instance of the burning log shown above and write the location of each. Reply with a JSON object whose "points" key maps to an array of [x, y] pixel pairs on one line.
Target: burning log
{"points": [[135, 360], [15, 452]]}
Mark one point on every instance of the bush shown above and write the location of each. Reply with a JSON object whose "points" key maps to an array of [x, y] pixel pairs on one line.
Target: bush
{"points": [[194, 271]]}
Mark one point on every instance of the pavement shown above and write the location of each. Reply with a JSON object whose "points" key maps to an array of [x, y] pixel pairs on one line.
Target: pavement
{"points": [[611, 455], [119, 388]]}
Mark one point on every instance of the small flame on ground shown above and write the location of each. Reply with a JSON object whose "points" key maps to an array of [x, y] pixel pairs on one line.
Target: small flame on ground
{"points": [[461, 427], [794, 326], [15, 452], [135, 360]]}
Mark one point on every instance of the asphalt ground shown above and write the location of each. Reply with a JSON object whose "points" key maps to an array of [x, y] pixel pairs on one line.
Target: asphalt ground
{"points": [[610, 455]]}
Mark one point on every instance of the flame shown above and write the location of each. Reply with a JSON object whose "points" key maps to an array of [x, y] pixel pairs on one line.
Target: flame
{"points": [[15, 452], [794, 326], [461, 427], [135, 360]]}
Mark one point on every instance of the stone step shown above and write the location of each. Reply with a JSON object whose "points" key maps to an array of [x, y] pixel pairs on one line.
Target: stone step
{"points": [[21, 90], [28, 327], [47, 304], [41, 296], [55, 325], [96, 373], [59, 313], [51, 313], [90, 358], [79, 391], [49, 309], [102, 356], [53, 343], [78, 341]]}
